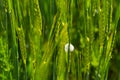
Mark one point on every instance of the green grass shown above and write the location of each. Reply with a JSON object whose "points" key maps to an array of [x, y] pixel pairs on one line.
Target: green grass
{"points": [[33, 34]]}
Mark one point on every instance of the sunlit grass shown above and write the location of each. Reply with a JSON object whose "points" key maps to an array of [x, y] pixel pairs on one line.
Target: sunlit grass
{"points": [[33, 35]]}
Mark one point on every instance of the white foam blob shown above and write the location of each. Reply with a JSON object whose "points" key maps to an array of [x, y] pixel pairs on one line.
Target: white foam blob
{"points": [[71, 47]]}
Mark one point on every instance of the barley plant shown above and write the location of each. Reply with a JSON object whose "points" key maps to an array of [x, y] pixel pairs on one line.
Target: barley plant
{"points": [[59, 39]]}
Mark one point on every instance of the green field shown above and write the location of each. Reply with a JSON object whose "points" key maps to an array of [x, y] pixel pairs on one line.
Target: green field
{"points": [[34, 34]]}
